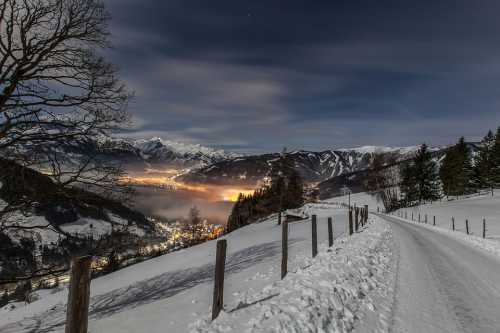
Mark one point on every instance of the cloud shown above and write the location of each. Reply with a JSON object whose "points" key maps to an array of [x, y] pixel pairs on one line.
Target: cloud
{"points": [[328, 74]]}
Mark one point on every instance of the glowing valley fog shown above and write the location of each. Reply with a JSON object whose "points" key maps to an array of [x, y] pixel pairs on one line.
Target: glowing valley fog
{"points": [[160, 194]]}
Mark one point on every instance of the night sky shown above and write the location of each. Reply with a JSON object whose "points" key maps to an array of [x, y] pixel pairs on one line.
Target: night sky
{"points": [[254, 76]]}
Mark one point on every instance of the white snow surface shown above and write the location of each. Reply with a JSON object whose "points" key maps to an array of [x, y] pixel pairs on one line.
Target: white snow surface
{"points": [[169, 293], [392, 276], [147, 145], [443, 284], [380, 149], [360, 199], [386, 149], [344, 287], [474, 209]]}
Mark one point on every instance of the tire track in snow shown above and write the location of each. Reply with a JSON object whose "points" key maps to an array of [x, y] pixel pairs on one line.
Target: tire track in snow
{"points": [[444, 285]]}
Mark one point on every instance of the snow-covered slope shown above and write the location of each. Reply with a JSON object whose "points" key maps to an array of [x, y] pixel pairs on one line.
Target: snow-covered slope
{"points": [[473, 208], [160, 150], [168, 293], [39, 218], [381, 279], [359, 199]]}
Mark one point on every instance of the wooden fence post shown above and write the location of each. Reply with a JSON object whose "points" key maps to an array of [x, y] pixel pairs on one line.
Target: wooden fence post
{"points": [[425, 218], [220, 266], [330, 232], [418, 217], [453, 223], [350, 223], [434, 220], [77, 313], [284, 248], [467, 226], [484, 228], [356, 218], [366, 214], [314, 230], [412, 216]]}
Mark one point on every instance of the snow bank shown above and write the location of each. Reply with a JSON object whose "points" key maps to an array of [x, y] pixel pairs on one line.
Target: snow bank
{"points": [[329, 293]]}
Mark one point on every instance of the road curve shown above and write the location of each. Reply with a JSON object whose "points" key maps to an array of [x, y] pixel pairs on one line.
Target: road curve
{"points": [[443, 285]]}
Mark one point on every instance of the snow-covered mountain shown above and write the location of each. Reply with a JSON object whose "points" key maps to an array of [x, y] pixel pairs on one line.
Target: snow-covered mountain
{"points": [[159, 151], [312, 166]]}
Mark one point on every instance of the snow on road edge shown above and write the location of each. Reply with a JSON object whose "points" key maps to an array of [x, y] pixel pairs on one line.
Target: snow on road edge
{"points": [[349, 286], [488, 245]]}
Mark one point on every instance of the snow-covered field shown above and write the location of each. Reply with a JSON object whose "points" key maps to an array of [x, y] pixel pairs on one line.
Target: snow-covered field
{"points": [[359, 199], [474, 209], [171, 292]]}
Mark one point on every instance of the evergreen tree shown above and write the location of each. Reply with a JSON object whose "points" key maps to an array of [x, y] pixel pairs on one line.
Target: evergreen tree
{"points": [[456, 170], [419, 178], [426, 175], [483, 172], [495, 157], [235, 217], [284, 191], [295, 191], [408, 184], [376, 178], [4, 300]]}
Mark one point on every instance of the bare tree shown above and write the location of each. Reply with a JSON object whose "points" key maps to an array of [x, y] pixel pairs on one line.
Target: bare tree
{"points": [[194, 222], [55, 89], [57, 93], [54, 84]]}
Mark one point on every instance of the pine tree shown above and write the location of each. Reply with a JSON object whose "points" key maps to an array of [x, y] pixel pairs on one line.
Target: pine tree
{"points": [[483, 171], [376, 178], [446, 172], [426, 175], [295, 191], [284, 191], [235, 218], [408, 184], [495, 157], [4, 300], [419, 178], [456, 170]]}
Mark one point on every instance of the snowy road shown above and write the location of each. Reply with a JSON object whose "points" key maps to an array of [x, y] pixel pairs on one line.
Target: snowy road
{"points": [[443, 285]]}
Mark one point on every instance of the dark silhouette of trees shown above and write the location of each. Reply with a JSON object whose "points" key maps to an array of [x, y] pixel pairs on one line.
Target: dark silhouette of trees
{"points": [[285, 191], [456, 170], [495, 157], [194, 221], [419, 178], [484, 166]]}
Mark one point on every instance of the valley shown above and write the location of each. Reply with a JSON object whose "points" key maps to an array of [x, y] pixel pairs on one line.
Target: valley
{"points": [[169, 177]]}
